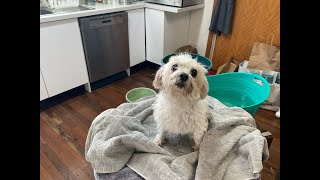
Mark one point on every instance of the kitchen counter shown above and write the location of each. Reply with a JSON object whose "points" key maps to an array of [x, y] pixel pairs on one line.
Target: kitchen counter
{"points": [[110, 8], [171, 8]]}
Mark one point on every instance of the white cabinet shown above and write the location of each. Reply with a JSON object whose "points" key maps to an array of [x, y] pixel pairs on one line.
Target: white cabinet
{"points": [[154, 35], [62, 60], [43, 89], [165, 33], [136, 27]]}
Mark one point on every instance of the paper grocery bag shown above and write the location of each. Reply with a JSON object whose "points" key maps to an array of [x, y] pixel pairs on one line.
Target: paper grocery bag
{"points": [[230, 66], [264, 57]]}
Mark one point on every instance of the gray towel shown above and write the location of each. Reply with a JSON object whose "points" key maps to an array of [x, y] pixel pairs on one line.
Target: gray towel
{"points": [[221, 21], [233, 148]]}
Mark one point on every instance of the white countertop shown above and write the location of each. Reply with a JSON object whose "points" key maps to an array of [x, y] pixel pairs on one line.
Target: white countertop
{"points": [[171, 8], [110, 8]]}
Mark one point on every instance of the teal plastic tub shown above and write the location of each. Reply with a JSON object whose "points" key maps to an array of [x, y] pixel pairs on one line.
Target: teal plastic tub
{"points": [[203, 60], [245, 90]]}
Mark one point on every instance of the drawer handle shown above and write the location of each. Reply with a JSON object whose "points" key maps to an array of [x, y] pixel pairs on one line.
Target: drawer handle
{"points": [[107, 21]]}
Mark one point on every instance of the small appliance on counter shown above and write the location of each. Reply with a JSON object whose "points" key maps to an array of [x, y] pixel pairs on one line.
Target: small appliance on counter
{"points": [[176, 3], [125, 2]]}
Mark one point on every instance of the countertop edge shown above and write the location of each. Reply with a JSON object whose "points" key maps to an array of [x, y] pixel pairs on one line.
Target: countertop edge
{"points": [[173, 9], [139, 5], [59, 17]]}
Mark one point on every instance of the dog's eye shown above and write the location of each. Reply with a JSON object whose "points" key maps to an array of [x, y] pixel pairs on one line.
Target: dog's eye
{"points": [[174, 67], [194, 73]]}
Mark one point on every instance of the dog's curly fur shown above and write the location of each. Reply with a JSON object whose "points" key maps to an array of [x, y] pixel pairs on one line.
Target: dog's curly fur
{"points": [[180, 107]]}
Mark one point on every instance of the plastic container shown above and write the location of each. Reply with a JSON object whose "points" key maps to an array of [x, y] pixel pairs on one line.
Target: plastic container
{"points": [[203, 60], [137, 93], [240, 89]]}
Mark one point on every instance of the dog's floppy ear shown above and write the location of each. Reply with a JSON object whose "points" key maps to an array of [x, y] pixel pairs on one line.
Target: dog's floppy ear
{"points": [[157, 82], [204, 89]]}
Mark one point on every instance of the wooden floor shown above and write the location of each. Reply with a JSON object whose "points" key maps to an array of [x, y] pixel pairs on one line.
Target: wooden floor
{"points": [[64, 127]]}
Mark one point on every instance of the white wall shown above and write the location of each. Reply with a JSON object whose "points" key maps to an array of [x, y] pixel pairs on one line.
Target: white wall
{"points": [[199, 27]]}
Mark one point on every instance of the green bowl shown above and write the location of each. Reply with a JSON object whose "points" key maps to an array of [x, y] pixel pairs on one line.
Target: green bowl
{"points": [[137, 93]]}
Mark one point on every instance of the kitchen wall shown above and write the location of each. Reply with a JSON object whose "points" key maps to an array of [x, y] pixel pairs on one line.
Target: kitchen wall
{"points": [[199, 25]]}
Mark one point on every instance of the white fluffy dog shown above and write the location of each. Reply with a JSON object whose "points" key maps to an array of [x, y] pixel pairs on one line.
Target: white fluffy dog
{"points": [[180, 107]]}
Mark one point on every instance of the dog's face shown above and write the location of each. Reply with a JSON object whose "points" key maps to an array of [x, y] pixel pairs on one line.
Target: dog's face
{"points": [[184, 76]]}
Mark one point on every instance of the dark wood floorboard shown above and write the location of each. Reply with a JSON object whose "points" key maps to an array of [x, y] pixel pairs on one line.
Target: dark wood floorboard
{"points": [[267, 120], [64, 127]]}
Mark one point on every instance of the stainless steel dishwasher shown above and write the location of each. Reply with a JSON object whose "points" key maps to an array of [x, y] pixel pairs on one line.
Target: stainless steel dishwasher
{"points": [[106, 44]]}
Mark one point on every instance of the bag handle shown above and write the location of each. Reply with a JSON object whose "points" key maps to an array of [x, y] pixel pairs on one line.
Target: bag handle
{"points": [[271, 39], [271, 42], [268, 39]]}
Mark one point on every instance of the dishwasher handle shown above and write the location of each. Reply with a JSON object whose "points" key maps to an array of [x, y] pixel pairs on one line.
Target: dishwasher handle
{"points": [[106, 21], [97, 23], [103, 20]]}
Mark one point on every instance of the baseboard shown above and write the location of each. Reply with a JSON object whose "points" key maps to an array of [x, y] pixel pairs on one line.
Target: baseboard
{"points": [[62, 97], [108, 80], [143, 65]]}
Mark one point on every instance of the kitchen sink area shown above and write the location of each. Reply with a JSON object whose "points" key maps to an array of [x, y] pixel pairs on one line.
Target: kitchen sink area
{"points": [[46, 11]]}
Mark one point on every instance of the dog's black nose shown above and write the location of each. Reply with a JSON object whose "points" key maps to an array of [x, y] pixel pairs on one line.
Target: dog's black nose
{"points": [[184, 77]]}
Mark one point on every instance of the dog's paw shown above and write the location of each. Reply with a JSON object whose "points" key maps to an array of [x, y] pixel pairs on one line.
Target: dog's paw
{"points": [[196, 147], [159, 142]]}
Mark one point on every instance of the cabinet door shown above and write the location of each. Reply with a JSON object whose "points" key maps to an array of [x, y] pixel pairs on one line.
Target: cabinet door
{"points": [[154, 35], [136, 36], [43, 90], [176, 29], [62, 60]]}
